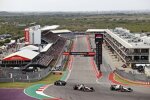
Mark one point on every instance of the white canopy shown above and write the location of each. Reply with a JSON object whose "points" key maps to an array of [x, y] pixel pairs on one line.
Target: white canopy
{"points": [[60, 31], [96, 30], [49, 27], [23, 54], [47, 47], [30, 47]]}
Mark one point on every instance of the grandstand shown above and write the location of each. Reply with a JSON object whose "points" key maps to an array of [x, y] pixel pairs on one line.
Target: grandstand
{"points": [[52, 53], [53, 46], [38, 56], [49, 37]]}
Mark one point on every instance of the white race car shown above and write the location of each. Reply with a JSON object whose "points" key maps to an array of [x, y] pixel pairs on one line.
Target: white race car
{"points": [[82, 87], [120, 88]]}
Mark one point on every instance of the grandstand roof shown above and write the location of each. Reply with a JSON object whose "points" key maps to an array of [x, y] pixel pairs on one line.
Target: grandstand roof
{"points": [[49, 27], [47, 47], [22, 55], [30, 47], [60, 31], [95, 30]]}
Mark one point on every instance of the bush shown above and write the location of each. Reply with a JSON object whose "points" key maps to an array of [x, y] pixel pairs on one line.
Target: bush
{"points": [[1, 43], [7, 40]]}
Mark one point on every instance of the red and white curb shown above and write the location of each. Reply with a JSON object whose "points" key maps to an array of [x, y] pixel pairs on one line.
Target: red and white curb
{"points": [[41, 89]]}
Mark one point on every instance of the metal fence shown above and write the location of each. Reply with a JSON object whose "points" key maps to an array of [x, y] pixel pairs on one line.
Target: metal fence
{"points": [[133, 76], [18, 76]]}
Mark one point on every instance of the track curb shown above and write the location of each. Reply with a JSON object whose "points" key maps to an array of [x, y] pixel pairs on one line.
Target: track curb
{"points": [[134, 82], [31, 91], [112, 79]]}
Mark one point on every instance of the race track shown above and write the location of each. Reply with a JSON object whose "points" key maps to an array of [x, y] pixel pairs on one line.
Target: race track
{"points": [[82, 72]]}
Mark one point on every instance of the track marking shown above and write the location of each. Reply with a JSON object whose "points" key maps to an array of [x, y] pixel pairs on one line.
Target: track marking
{"points": [[42, 89]]}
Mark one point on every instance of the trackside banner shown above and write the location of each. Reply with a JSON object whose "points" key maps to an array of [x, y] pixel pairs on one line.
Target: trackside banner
{"points": [[26, 35]]}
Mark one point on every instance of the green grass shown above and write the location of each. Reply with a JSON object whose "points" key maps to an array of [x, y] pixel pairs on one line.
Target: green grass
{"points": [[47, 80], [119, 79]]}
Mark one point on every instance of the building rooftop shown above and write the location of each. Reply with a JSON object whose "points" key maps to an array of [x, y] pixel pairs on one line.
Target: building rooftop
{"points": [[61, 31], [129, 40], [52, 27], [95, 30]]}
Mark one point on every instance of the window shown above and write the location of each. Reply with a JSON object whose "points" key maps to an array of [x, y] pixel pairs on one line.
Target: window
{"points": [[144, 57], [144, 50], [136, 57], [136, 50]]}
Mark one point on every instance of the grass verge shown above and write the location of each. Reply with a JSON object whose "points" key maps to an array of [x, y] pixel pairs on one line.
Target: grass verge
{"points": [[47, 80], [119, 79]]}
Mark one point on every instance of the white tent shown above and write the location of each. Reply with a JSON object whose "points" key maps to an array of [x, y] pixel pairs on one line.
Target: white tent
{"points": [[49, 27], [22, 55], [60, 31]]}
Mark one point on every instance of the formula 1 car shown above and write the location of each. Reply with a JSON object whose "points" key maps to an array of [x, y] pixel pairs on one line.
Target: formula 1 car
{"points": [[82, 87], [120, 88], [60, 83]]}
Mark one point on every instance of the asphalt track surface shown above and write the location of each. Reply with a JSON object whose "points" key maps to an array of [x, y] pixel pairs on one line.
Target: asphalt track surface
{"points": [[82, 72], [14, 94]]}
